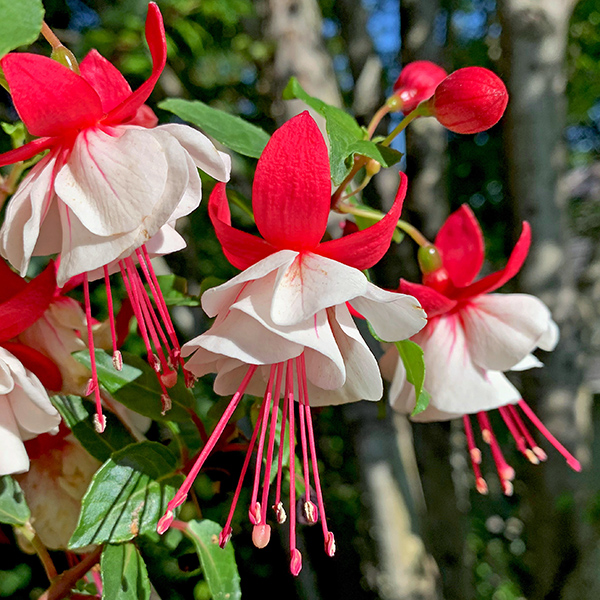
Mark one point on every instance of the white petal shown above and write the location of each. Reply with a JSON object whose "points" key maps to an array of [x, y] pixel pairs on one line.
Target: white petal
{"points": [[218, 299], [529, 362], [312, 283], [502, 329], [550, 337], [13, 457], [166, 241], [25, 212], [192, 196], [393, 316], [202, 151], [112, 182]]}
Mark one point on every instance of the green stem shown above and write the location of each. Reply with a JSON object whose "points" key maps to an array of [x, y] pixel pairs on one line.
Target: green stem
{"points": [[384, 110], [337, 196], [361, 187], [50, 36], [401, 126], [33, 538], [413, 232]]}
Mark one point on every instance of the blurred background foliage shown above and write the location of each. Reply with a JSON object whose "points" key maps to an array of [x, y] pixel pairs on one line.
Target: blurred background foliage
{"points": [[221, 51]]}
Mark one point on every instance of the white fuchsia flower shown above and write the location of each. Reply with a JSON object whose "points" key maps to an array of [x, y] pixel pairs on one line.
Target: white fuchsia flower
{"points": [[283, 327], [471, 338], [108, 192], [25, 373]]}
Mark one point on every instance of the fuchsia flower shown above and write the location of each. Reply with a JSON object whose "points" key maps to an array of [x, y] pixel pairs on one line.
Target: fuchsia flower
{"points": [[109, 191], [471, 338], [417, 82], [25, 409], [282, 326], [469, 100]]}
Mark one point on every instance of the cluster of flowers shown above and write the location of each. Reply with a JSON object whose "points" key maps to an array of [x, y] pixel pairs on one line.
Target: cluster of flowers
{"points": [[106, 197]]}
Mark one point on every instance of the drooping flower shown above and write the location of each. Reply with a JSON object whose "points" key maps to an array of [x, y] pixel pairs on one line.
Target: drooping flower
{"points": [[471, 338], [417, 82], [107, 194], [469, 100], [283, 327], [25, 373]]}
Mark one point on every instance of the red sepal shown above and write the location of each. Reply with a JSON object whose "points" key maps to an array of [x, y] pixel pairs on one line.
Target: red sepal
{"points": [[495, 280], [365, 248], [157, 42], [461, 244], [11, 282], [433, 303], [241, 249], [41, 366], [291, 194], [50, 98], [417, 82], [111, 87], [28, 305], [27, 151]]}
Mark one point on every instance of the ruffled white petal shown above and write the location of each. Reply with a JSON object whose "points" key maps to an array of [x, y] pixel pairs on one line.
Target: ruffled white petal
{"points": [[312, 283], [502, 329], [393, 316]]}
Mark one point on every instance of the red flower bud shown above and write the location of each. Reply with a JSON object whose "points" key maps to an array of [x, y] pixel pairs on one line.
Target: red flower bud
{"points": [[417, 82], [469, 100]]}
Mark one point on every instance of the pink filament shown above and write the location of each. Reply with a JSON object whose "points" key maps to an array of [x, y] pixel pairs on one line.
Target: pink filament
{"points": [[300, 375], [522, 427], [289, 387], [474, 455], [111, 315], [505, 472]]}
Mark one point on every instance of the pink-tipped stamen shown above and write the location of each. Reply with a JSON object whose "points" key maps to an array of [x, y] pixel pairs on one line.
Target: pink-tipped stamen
{"points": [[265, 408], [517, 435], [474, 455], [329, 546], [278, 506], [296, 557], [276, 393], [99, 419], [261, 535], [505, 471], [182, 493], [541, 455], [571, 460], [117, 358], [308, 512]]}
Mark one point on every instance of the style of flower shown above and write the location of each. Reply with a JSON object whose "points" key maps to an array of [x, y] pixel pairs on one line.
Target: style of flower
{"points": [[107, 194], [25, 373], [282, 326], [417, 82], [471, 338]]}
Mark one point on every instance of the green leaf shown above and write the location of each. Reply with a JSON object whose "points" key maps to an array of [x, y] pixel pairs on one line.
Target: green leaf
{"points": [[20, 24], [128, 495], [137, 387], [13, 508], [175, 291], [78, 415], [231, 131], [124, 574], [414, 363], [219, 566]]}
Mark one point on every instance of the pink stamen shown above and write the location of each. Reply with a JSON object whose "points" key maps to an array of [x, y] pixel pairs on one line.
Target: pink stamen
{"points": [[226, 533], [278, 506], [542, 456], [505, 472], [255, 513], [276, 392], [296, 557], [329, 539], [182, 493], [99, 419], [117, 358], [475, 456], [517, 435], [571, 460], [309, 511]]}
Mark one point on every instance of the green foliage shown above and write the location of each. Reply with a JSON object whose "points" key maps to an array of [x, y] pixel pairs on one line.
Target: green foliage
{"points": [[128, 495], [346, 136], [218, 565], [411, 355], [78, 415], [233, 132], [124, 574], [136, 386], [13, 508], [20, 24], [175, 291]]}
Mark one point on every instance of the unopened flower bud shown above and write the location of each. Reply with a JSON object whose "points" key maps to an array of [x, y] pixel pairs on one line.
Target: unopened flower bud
{"points": [[372, 167], [65, 57], [469, 100], [416, 83], [429, 259]]}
